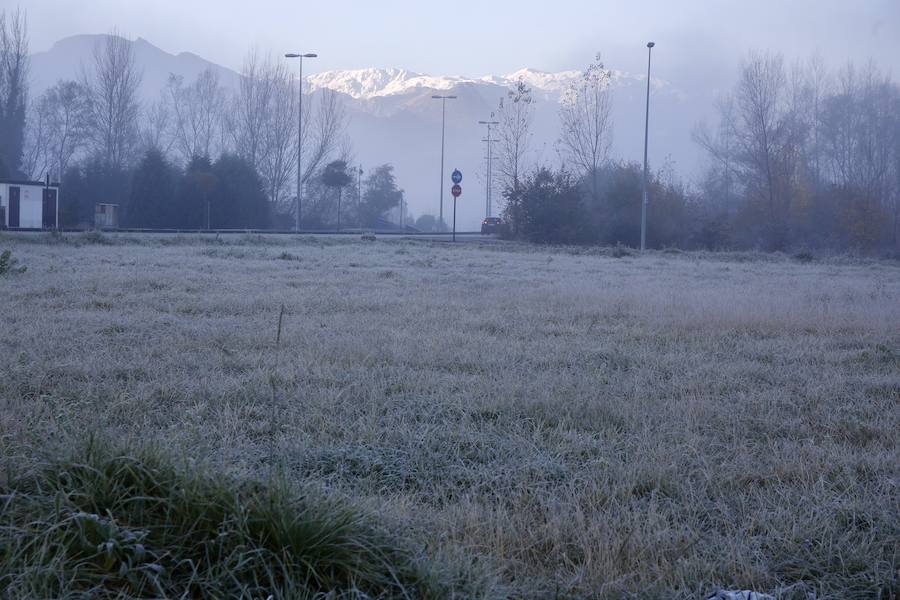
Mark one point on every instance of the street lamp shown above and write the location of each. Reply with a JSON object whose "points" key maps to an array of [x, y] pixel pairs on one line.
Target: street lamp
{"points": [[489, 140], [443, 100], [300, 131], [359, 175], [646, 139]]}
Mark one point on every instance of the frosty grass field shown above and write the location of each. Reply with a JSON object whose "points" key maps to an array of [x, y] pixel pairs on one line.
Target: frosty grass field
{"points": [[571, 422]]}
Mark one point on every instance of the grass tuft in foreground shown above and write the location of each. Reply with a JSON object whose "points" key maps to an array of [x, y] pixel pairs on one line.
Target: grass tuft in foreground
{"points": [[109, 523]]}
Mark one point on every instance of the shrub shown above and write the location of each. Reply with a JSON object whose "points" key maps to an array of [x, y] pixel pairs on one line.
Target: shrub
{"points": [[112, 523], [548, 209], [8, 263]]}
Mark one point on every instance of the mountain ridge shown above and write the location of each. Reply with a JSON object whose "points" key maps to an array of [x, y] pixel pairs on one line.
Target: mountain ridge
{"points": [[361, 83]]}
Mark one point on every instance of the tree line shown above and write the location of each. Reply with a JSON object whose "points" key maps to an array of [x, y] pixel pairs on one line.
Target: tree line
{"points": [[802, 157], [93, 134]]}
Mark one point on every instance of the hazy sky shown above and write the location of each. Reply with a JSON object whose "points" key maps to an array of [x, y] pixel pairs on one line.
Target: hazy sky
{"points": [[469, 37]]}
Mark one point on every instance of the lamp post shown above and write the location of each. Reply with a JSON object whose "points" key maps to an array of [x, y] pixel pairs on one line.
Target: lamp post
{"points": [[300, 132], [489, 140], [646, 139], [359, 174], [443, 100]]}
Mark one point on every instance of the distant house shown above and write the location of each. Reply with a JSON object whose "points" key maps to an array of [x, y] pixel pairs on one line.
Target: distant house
{"points": [[28, 204]]}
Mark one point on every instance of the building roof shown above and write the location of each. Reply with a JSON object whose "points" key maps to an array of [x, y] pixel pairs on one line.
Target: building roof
{"points": [[26, 182]]}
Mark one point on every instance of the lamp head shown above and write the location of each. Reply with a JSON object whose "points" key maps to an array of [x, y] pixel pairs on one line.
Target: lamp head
{"points": [[651, 44]]}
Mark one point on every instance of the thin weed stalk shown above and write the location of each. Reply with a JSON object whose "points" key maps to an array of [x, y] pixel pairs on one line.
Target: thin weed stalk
{"points": [[273, 383]]}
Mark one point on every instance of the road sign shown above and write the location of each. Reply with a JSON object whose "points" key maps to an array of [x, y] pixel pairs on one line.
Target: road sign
{"points": [[456, 176], [456, 191]]}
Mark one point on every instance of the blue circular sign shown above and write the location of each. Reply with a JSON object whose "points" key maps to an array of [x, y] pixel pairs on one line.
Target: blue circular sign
{"points": [[456, 176]]}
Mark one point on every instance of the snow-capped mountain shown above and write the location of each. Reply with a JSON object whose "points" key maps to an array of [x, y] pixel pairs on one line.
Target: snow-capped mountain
{"points": [[366, 84], [393, 118]]}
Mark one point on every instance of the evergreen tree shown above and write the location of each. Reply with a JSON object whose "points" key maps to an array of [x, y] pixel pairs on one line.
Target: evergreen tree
{"points": [[92, 183], [336, 176], [381, 195], [14, 59], [152, 200], [238, 201], [195, 194], [74, 196]]}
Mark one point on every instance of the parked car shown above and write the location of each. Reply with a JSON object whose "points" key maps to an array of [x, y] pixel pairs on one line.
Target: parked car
{"points": [[491, 225]]}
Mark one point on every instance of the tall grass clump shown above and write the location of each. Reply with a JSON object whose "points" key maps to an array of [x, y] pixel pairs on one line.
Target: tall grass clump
{"points": [[10, 264], [107, 523]]}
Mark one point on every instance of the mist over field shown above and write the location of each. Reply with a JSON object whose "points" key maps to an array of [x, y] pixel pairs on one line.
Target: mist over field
{"points": [[404, 300]]}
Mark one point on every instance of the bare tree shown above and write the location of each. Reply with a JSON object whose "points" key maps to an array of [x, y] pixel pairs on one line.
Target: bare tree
{"points": [[720, 146], [515, 114], [112, 90], [761, 133], [323, 134], [819, 88], [894, 199], [36, 153], [585, 120], [247, 115], [815, 156], [860, 133], [13, 87], [156, 127], [280, 141], [263, 122], [198, 112], [323, 137], [57, 129]]}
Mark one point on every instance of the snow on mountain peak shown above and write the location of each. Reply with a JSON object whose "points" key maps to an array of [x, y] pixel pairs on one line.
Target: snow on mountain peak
{"points": [[373, 83], [541, 80], [368, 84]]}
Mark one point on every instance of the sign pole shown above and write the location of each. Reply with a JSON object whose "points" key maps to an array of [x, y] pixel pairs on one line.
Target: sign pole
{"points": [[454, 218], [456, 190]]}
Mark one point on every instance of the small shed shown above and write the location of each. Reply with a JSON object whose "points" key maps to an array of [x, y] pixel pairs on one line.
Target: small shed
{"points": [[106, 216], [29, 204]]}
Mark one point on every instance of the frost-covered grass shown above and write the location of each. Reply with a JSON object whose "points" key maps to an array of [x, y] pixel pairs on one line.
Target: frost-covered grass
{"points": [[577, 422]]}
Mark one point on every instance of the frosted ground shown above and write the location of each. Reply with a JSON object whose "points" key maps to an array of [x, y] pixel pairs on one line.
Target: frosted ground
{"points": [[577, 423]]}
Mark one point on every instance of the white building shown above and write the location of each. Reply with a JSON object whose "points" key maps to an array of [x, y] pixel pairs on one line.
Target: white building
{"points": [[28, 204]]}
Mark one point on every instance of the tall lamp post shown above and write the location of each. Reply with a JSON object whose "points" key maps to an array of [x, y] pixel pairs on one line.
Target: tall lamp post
{"points": [[646, 139], [300, 132], [443, 100], [359, 174], [488, 190]]}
